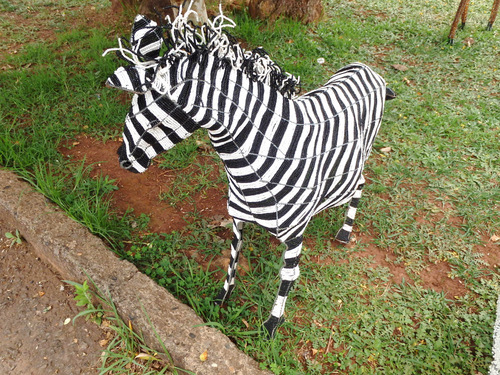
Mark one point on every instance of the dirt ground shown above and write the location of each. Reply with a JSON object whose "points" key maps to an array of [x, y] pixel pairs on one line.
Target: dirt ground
{"points": [[140, 192], [35, 306]]}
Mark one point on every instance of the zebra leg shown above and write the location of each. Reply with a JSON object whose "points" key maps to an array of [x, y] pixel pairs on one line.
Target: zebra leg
{"points": [[344, 234], [288, 274], [225, 292]]}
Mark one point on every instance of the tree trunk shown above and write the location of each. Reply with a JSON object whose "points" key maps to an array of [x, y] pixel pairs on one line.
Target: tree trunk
{"points": [[156, 9], [306, 11]]}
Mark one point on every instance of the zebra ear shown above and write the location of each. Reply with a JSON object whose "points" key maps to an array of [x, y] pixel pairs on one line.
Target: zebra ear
{"points": [[130, 78], [146, 37]]}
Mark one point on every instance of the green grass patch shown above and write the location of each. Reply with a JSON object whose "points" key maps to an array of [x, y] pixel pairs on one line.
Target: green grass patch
{"points": [[55, 93], [433, 200]]}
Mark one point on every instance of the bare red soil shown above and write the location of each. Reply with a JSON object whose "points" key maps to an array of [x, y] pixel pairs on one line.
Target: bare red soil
{"points": [[140, 192]]}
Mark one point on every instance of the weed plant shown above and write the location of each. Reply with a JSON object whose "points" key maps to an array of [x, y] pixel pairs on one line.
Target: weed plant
{"points": [[431, 202], [125, 352]]}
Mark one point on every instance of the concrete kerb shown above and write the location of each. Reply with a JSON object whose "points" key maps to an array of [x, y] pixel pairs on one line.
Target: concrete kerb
{"points": [[75, 253]]}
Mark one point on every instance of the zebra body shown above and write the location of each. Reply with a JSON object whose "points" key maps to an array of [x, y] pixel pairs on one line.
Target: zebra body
{"points": [[286, 157]]}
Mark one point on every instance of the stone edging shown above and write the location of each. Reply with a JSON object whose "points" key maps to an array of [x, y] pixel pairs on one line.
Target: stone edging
{"points": [[75, 252]]}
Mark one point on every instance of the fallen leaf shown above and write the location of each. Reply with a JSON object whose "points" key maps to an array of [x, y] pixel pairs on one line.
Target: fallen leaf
{"points": [[469, 41], [318, 324], [495, 238], [146, 357], [204, 356], [401, 68], [219, 221], [245, 323], [103, 343], [67, 321], [386, 149], [226, 222], [203, 146], [41, 294]]}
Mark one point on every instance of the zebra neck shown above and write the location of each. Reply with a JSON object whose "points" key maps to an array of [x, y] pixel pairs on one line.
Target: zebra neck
{"points": [[249, 115]]}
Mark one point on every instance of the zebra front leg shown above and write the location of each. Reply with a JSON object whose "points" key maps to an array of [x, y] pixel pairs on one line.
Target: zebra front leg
{"points": [[288, 274], [344, 234], [225, 292]]}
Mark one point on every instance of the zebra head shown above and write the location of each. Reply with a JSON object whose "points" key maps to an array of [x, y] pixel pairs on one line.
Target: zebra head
{"points": [[155, 122], [162, 60]]}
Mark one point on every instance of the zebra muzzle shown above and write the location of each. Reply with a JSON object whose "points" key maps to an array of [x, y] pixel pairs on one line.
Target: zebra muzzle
{"points": [[125, 164], [122, 157], [141, 159]]}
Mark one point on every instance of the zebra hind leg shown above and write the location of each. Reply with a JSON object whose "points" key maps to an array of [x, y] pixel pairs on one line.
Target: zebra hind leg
{"points": [[288, 274], [228, 287], [344, 234]]}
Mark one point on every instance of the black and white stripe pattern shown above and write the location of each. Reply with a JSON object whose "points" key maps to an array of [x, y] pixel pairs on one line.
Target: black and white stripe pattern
{"points": [[287, 158]]}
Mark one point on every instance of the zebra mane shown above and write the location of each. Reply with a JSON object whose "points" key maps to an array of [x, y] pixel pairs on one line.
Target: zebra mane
{"points": [[157, 46]]}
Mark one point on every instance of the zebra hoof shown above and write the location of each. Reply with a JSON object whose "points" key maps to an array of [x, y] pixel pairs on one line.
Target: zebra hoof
{"points": [[489, 27], [343, 236], [223, 295], [271, 325]]}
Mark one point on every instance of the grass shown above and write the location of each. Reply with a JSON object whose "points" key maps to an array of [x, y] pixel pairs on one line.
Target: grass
{"points": [[50, 93], [125, 351], [431, 202]]}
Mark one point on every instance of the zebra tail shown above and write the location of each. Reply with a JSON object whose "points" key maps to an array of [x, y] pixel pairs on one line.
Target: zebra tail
{"points": [[389, 94]]}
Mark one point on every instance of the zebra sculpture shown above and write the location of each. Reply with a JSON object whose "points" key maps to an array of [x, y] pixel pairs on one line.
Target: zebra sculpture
{"points": [[287, 157]]}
